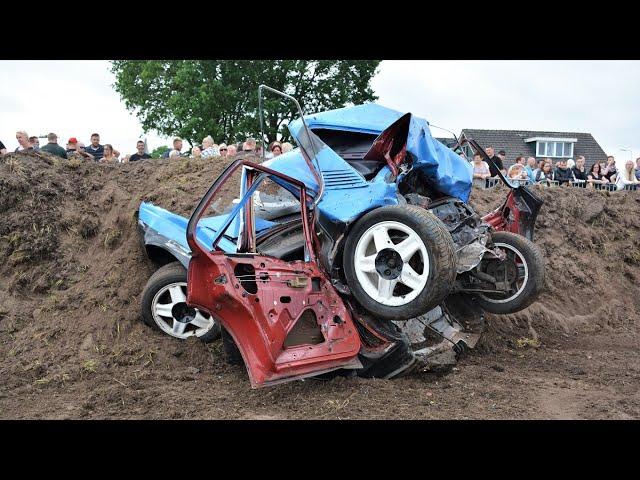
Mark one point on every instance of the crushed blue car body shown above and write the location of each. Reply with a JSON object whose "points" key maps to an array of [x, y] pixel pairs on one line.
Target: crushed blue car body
{"points": [[346, 195]]}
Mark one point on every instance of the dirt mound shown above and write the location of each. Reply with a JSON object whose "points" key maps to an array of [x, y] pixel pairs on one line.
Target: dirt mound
{"points": [[73, 272]]}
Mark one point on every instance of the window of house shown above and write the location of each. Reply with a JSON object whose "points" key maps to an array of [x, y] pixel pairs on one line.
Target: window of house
{"points": [[554, 149]]}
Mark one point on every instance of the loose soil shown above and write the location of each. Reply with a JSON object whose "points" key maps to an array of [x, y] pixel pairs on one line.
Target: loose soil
{"points": [[72, 344]]}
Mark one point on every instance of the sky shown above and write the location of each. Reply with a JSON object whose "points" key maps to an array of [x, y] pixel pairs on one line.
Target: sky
{"points": [[76, 98]]}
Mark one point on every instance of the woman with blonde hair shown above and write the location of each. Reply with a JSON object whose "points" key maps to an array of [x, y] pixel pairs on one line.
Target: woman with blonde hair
{"points": [[286, 147], [209, 148], [627, 176]]}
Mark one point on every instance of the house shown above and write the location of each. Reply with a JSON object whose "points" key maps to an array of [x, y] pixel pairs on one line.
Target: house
{"points": [[554, 145]]}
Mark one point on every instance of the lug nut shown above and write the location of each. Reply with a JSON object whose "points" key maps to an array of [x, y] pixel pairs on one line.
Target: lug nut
{"points": [[387, 272]]}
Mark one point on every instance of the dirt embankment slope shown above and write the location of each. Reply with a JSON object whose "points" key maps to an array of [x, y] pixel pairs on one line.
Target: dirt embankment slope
{"points": [[72, 344]]}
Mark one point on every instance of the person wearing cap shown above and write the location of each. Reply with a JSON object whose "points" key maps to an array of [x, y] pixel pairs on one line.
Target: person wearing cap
{"points": [[76, 148], [52, 146]]}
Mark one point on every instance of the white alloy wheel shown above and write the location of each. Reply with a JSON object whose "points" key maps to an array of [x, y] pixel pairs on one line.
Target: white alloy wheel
{"points": [[171, 314], [391, 263], [522, 273]]}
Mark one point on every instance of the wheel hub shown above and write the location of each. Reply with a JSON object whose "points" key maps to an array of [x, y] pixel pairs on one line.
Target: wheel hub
{"points": [[183, 313], [389, 264]]}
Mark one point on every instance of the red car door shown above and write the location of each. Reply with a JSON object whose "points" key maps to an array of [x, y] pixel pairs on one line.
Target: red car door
{"points": [[285, 317]]}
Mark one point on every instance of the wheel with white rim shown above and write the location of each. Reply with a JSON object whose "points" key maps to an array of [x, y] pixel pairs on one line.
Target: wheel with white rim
{"points": [[164, 306], [399, 262], [521, 271]]}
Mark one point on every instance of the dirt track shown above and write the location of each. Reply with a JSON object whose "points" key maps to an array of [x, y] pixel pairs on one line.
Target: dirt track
{"points": [[72, 344]]}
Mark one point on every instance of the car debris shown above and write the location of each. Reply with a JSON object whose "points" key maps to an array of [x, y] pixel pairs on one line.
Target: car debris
{"points": [[368, 259]]}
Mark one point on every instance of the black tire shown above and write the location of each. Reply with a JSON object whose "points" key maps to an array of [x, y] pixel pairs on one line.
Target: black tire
{"points": [[442, 260], [165, 275], [231, 351], [534, 283]]}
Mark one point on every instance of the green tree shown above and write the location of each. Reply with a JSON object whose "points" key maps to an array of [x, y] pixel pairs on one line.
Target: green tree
{"points": [[159, 151], [195, 98]]}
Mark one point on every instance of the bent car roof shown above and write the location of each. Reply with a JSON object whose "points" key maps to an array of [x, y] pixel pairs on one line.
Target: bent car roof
{"points": [[367, 118]]}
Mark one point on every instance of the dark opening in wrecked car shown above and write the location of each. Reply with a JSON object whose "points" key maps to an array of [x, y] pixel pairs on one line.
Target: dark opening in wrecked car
{"points": [[355, 253]]}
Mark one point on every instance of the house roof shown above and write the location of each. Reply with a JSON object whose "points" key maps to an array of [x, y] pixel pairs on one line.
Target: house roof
{"points": [[513, 143]]}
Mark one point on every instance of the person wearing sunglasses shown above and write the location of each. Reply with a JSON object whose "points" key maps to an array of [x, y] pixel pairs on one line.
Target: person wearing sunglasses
{"points": [[223, 149]]}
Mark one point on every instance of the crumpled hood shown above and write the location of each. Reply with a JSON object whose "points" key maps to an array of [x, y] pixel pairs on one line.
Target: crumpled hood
{"points": [[451, 174]]}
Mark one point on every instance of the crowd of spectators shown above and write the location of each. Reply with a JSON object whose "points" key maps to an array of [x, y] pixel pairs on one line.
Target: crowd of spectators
{"points": [[562, 172], [107, 153]]}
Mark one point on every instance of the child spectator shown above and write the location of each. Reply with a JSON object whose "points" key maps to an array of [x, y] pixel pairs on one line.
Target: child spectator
{"points": [[95, 149], [570, 164], [610, 170], [196, 152], [52, 146], [209, 149], [595, 174], [626, 176], [23, 140], [563, 173], [516, 172], [175, 154], [139, 155]]}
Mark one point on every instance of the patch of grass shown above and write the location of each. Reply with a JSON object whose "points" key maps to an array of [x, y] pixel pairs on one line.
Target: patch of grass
{"points": [[90, 366], [111, 238], [632, 258], [527, 342]]}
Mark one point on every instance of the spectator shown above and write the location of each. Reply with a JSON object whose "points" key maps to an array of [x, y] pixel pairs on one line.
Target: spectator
{"points": [[232, 150], [499, 166], [517, 172], [3, 149], [126, 158], [76, 148], [580, 171], [52, 146], [223, 149], [108, 154], [287, 147], [480, 170], [249, 145], [595, 174], [563, 173], [637, 167], [177, 145], [610, 170], [503, 156], [175, 153], [276, 149], [530, 167], [139, 155], [95, 149], [196, 152], [209, 149], [544, 174], [23, 140], [571, 163], [35, 143], [626, 176]]}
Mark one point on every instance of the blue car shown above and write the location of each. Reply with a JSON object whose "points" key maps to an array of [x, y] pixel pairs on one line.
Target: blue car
{"points": [[369, 215]]}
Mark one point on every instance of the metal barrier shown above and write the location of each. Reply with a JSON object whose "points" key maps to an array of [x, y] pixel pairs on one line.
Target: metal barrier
{"points": [[631, 187], [578, 183], [491, 182], [609, 187]]}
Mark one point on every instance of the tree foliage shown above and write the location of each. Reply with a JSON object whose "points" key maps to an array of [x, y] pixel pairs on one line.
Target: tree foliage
{"points": [[159, 151], [195, 98]]}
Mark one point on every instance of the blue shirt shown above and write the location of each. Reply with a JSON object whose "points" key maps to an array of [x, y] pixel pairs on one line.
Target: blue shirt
{"points": [[529, 171]]}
